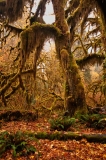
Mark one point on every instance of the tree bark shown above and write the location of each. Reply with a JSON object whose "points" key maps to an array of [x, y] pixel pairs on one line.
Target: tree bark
{"points": [[102, 22], [74, 90], [74, 96]]}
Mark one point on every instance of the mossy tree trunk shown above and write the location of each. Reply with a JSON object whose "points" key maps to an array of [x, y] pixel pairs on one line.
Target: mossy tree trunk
{"points": [[102, 22], [74, 97], [74, 90]]}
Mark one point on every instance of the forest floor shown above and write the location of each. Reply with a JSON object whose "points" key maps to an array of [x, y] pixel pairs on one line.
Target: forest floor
{"points": [[55, 149]]}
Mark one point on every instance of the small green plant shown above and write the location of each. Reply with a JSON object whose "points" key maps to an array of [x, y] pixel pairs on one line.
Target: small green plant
{"points": [[102, 123], [92, 120], [62, 123], [18, 142], [81, 117]]}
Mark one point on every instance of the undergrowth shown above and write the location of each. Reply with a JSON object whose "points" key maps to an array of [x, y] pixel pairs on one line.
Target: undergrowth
{"points": [[62, 123], [97, 121], [17, 142]]}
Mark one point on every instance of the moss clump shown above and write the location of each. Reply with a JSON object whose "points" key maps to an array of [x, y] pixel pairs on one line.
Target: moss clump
{"points": [[74, 68], [80, 87], [78, 77]]}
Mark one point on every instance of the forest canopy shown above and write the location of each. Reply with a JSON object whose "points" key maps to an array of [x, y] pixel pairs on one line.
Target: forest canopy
{"points": [[79, 35]]}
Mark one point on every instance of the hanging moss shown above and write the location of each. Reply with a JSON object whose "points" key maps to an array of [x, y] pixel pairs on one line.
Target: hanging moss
{"points": [[2, 7], [46, 28], [35, 35], [91, 59], [14, 9]]}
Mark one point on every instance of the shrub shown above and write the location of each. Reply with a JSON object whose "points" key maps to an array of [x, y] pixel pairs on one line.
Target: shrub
{"points": [[96, 121], [17, 142], [62, 123]]}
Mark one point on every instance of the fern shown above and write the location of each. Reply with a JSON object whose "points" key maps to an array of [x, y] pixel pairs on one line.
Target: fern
{"points": [[62, 123], [18, 142]]}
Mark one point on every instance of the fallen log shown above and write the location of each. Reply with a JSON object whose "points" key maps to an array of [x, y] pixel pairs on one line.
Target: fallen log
{"points": [[18, 115], [97, 138]]}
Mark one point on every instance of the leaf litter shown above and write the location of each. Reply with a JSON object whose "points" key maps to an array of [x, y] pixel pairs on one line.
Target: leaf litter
{"points": [[55, 150]]}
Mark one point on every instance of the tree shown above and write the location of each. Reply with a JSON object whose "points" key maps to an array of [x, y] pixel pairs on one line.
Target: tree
{"points": [[32, 38]]}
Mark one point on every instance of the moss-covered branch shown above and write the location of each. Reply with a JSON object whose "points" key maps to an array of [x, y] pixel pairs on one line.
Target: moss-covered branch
{"points": [[10, 79], [39, 12], [85, 20], [14, 89], [91, 59], [17, 115], [99, 138], [5, 88], [84, 6], [94, 31], [83, 47], [32, 37], [72, 6], [14, 28]]}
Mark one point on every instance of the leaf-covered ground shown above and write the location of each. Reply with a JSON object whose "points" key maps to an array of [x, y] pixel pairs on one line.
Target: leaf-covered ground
{"points": [[56, 150]]}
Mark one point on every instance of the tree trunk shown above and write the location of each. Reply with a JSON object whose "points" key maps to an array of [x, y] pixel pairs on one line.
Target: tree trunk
{"points": [[74, 97], [74, 90], [102, 22]]}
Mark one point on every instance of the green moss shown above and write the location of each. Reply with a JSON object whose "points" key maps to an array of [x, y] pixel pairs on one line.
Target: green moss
{"points": [[46, 28], [78, 77], [74, 66], [35, 34], [41, 135], [80, 85]]}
